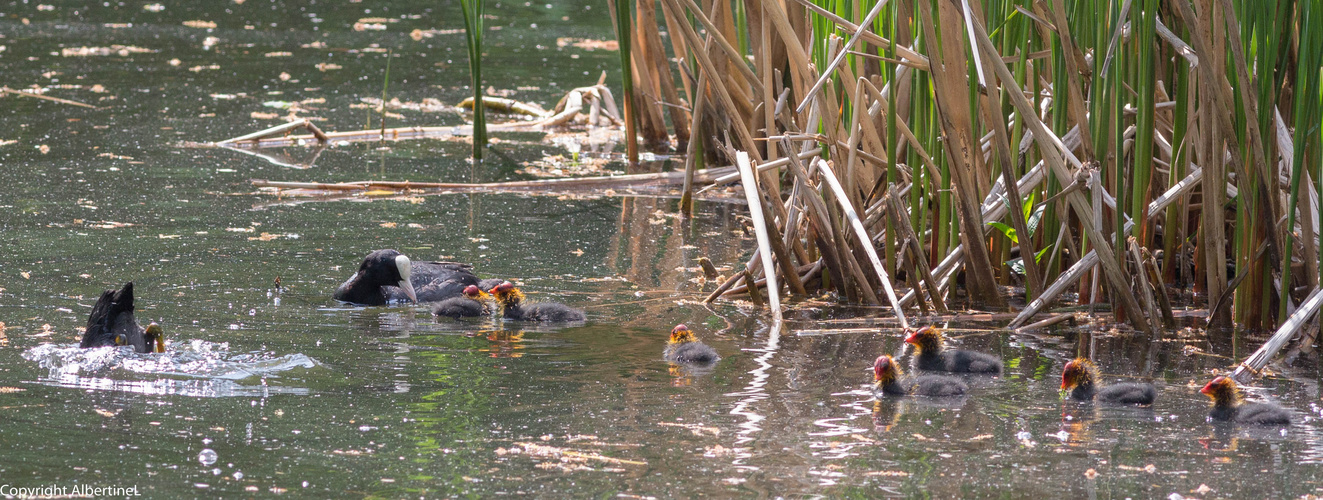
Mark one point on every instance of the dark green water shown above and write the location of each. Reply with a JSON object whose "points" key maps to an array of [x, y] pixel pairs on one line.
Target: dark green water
{"points": [[398, 405]]}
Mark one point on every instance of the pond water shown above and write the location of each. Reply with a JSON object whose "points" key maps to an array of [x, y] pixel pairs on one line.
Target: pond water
{"points": [[280, 390]]}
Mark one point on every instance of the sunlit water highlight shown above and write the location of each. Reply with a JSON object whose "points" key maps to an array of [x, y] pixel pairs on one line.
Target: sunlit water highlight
{"points": [[193, 368]]}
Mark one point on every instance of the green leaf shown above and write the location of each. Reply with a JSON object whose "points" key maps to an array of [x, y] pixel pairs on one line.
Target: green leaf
{"points": [[1008, 231], [1038, 257]]}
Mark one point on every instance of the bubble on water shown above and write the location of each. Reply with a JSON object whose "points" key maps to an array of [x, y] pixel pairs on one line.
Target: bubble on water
{"points": [[234, 326], [252, 312], [206, 441], [1062, 435], [1023, 435], [365, 428], [207, 456], [305, 484], [216, 472], [238, 475]]}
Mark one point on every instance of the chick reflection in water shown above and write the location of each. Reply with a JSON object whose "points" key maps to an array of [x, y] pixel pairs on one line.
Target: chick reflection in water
{"points": [[505, 344]]}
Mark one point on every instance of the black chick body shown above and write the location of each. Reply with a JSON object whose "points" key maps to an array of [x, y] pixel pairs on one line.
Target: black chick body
{"points": [[1229, 406], [685, 348], [511, 300], [1079, 378], [471, 304], [890, 380], [930, 355], [112, 323], [387, 276]]}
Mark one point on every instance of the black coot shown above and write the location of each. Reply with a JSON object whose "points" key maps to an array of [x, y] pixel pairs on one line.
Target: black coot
{"points": [[387, 276], [112, 324]]}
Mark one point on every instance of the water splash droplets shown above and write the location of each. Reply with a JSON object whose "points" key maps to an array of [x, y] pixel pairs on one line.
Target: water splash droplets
{"points": [[207, 456]]}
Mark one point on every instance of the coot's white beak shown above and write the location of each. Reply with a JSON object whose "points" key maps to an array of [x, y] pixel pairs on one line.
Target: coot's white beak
{"points": [[403, 264]]}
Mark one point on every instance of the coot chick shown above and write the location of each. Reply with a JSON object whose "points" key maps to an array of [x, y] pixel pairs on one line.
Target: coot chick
{"points": [[112, 324], [387, 276], [929, 355], [685, 348], [1229, 406], [1079, 378], [471, 304], [890, 380], [513, 307]]}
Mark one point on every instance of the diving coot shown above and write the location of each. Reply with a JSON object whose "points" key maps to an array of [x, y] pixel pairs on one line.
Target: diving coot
{"points": [[685, 348], [929, 355], [1079, 378], [387, 276], [890, 380], [513, 307], [112, 324], [471, 304], [1229, 405]]}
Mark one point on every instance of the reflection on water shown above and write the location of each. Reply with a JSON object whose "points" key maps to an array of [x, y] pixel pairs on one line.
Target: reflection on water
{"points": [[193, 368]]}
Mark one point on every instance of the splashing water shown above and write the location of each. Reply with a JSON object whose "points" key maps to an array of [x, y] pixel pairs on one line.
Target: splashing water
{"points": [[193, 368]]}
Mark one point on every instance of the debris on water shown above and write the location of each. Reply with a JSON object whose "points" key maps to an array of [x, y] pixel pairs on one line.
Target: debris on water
{"points": [[716, 451], [887, 473], [1026, 439], [695, 429]]}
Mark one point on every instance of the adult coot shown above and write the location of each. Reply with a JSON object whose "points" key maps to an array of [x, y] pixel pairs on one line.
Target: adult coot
{"points": [[112, 324], [387, 276]]}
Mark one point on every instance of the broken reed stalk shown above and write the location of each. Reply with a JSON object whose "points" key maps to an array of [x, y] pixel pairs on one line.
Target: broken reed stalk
{"points": [[1086, 264], [280, 130], [1060, 318], [903, 224], [760, 229], [7, 90], [1289, 328], [829, 178]]}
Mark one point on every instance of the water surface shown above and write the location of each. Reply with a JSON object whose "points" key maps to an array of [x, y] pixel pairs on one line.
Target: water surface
{"points": [[272, 389]]}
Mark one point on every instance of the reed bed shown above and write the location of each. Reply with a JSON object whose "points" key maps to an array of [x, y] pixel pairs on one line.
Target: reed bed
{"points": [[1121, 151]]}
